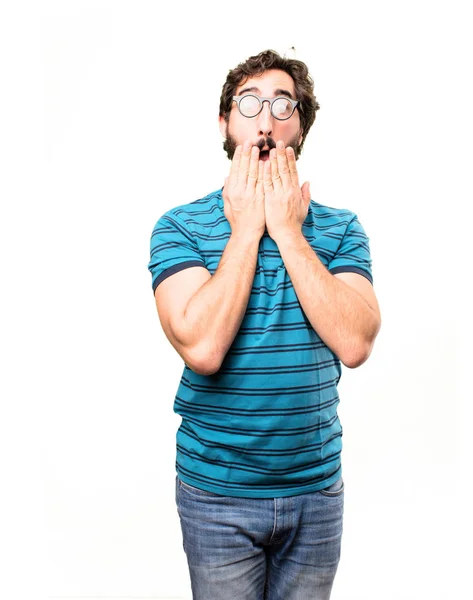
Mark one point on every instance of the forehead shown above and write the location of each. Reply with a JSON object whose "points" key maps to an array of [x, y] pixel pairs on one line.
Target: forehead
{"points": [[269, 82]]}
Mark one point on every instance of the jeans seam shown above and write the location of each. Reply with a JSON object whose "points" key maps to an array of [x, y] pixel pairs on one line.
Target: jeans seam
{"points": [[275, 521]]}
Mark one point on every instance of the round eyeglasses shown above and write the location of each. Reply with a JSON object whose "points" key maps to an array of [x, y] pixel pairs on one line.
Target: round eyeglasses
{"points": [[251, 105]]}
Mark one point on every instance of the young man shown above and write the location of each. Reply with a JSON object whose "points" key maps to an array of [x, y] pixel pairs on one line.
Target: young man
{"points": [[263, 292]]}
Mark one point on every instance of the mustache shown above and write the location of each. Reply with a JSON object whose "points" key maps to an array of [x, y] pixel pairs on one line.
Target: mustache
{"points": [[269, 141]]}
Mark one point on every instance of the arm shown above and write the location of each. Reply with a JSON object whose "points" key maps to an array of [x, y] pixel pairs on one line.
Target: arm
{"points": [[200, 313], [341, 308], [203, 327]]}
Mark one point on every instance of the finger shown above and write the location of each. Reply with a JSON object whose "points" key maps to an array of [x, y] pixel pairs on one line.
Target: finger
{"points": [[244, 163], [233, 177], [305, 189], [259, 183], [267, 179], [291, 160], [283, 167], [253, 170], [276, 179]]}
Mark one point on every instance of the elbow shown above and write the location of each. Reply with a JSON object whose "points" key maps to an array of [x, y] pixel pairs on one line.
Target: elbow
{"points": [[203, 362], [203, 368], [355, 359], [357, 354]]}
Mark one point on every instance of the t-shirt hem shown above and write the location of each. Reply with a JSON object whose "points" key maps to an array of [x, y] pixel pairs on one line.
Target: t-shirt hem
{"points": [[349, 269], [175, 269], [271, 493]]}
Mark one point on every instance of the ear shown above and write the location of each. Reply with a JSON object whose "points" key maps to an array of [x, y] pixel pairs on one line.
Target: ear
{"points": [[223, 127], [300, 138]]}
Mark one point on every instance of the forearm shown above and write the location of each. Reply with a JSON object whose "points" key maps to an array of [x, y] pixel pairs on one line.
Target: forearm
{"points": [[215, 312], [339, 314]]}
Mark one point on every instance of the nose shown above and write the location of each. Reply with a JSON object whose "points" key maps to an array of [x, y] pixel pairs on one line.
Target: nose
{"points": [[265, 120]]}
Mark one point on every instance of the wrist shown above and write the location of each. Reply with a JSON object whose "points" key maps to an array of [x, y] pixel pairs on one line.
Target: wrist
{"points": [[288, 237], [245, 236]]}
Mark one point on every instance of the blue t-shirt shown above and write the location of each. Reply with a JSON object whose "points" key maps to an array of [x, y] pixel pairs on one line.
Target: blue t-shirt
{"points": [[265, 425]]}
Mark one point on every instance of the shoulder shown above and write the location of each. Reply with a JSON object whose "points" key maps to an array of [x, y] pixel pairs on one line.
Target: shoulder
{"points": [[330, 213], [325, 217], [196, 212]]}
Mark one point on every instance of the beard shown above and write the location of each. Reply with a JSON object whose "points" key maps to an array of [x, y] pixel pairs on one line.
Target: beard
{"points": [[230, 144]]}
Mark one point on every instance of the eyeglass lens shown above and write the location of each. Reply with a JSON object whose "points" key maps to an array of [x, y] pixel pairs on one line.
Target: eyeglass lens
{"points": [[250, 106]]}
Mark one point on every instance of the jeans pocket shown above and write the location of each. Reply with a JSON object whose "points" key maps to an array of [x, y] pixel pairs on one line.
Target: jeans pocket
{"points": [[335, 489], [193, 491]]}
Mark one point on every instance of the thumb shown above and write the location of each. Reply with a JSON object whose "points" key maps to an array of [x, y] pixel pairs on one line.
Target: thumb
{"points": [[224, 191], [306, 192]]}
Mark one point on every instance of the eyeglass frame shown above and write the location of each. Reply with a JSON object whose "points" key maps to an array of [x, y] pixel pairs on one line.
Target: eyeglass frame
{"points": [[271, 101]]}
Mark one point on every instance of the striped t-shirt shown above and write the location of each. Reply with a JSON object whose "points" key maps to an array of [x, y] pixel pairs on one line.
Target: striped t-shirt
{"points": [[265, 425]]}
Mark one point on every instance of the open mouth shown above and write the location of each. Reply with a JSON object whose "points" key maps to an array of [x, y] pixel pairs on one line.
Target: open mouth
{"points": [[264, 155]]}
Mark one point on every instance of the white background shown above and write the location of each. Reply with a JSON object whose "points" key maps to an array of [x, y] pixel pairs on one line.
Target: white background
{"points": [[109, 118]]}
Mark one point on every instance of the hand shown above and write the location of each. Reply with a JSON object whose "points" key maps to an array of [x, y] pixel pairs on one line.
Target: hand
{"points": [[243, 193], [286, 204]]}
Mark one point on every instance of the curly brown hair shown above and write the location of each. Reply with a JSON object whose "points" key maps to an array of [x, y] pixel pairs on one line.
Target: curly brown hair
{"points": [[257, 65]]}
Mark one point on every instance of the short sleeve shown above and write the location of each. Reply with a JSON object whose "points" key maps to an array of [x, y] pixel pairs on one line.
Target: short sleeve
{"points": [[353, 254], [172, 249]]}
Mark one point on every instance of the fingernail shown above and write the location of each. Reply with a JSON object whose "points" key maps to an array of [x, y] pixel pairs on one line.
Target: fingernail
{"points": [[247, 145]]}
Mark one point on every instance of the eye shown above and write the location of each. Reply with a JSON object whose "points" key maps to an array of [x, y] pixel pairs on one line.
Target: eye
{"points": [[249, 105], [282, 107]]}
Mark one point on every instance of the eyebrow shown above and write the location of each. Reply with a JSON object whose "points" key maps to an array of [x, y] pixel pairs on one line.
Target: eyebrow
{"points": [[277, 92]]}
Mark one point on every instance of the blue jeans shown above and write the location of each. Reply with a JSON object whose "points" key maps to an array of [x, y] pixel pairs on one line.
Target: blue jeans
{"points": [[261, 548]]}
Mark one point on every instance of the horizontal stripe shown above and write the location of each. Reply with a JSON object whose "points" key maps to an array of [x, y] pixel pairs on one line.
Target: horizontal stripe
{"points": [[254, 412], [237, 466], [227, 487], [265, 391], [279, 349], [278, 370], [260, 451], [286, 432], [244, 469]]}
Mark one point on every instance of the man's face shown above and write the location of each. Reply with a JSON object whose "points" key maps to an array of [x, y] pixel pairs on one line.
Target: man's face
{"points": [[263, 130]]}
